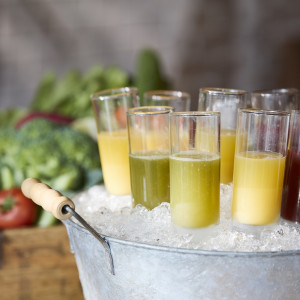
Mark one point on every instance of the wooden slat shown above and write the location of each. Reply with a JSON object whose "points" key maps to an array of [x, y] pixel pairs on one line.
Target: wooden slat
{"points": [[36, 263]]}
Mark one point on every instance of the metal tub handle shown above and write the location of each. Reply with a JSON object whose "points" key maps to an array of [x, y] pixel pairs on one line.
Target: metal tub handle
{"points": [[61, 207]]}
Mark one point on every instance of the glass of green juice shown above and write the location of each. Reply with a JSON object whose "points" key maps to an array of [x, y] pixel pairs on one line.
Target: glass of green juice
{"points": [[261, 147], [195, 169], [149, 149], [179, 100], [227, 102], [110, 107]]}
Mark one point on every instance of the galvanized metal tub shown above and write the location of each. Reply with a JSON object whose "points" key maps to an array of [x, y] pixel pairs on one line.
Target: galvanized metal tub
{"points": [[145, 271]]}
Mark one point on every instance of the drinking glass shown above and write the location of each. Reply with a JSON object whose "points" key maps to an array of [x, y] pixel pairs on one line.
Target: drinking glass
{"points": [[110, 108], [290, 208], [261, 145], [276, 99], [180, 101], [195, 169], [149, 148], [226, 101]]}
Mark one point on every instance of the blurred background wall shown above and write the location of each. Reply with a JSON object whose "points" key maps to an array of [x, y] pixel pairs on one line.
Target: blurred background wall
{"points": [[222, 43]]}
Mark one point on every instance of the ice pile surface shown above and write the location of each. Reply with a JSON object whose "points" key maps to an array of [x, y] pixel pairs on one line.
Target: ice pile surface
{"points": [[115, 216]]}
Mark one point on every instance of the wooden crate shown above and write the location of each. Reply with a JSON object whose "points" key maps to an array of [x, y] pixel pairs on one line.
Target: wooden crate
{"points": [[36, 263]]}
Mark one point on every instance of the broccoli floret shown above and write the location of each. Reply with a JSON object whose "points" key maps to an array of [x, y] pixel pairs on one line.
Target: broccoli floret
{"points": [[57, 154], [40, 158], [9, 141], [38, 128], [79, 147], [44, 159]]}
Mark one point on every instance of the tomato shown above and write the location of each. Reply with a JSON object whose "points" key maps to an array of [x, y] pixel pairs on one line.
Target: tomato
{"points": [[16, 210]]}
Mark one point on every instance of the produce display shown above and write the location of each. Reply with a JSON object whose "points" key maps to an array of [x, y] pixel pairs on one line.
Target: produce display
{"points": [[61, 156]]}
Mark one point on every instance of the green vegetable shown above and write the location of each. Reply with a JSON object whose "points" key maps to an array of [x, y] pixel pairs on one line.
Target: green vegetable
{"points": [[115, 77], [6, 177], [9, 141], [44, 91], [38, 128], [45, 219], [149, 73], [10, 116], [70, 95], [79, 145], [56, 154]]}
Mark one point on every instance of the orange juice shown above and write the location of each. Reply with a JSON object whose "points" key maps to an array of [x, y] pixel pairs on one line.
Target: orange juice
{"points": [[227, 149], [113, 148], [257, 187]]}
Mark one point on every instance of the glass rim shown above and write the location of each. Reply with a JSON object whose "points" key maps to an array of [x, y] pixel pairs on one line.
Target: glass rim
{"points": [[196, 113], [295, 112], [113, 93], [280, 91], [222, 91], [149, 110], [263, 111], [172, 95]]}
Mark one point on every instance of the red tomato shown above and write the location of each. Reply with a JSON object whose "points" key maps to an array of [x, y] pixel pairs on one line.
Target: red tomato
{"points": [[16, 210]]}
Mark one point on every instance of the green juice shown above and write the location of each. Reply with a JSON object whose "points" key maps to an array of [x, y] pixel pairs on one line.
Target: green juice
{"points": [[195, 189], [150, 179]]}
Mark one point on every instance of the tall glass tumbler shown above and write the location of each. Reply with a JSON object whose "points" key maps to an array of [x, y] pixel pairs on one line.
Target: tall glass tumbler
{"points": [[180, 101], [261, 146], [110, 107], [195, 169], [149, 149], [290, 208], [276, 99], [226, 101]]}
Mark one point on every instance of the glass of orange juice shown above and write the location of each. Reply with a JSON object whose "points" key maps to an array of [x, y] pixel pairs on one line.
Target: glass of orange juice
{"points": [[227, 102], [110, 107], [261, 146], [180, 101]]}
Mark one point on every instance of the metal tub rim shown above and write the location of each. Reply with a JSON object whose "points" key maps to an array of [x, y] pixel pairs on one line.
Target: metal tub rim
{"points": [[186, 250]]}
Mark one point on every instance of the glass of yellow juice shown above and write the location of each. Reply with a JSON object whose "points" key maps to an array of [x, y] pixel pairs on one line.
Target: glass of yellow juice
{"points": [[261, 147], [195, 169], [149, 149], [179, 100], [227, 102], [110, 107]]}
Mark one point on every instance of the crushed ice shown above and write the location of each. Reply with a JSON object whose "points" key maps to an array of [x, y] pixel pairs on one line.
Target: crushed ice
{"points": [[115, 216]]}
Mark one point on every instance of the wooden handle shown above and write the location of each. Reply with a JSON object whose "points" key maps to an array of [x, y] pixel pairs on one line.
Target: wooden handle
{"points": [[51, 200]]}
